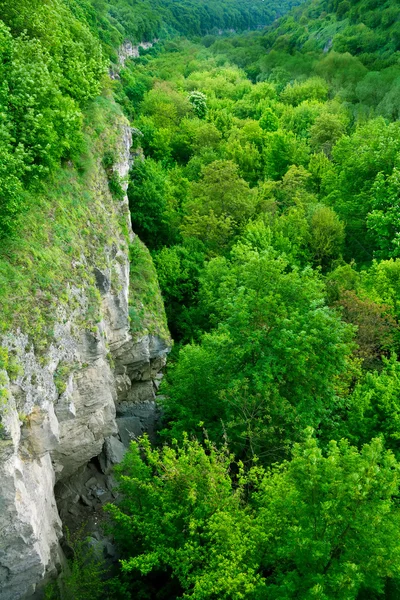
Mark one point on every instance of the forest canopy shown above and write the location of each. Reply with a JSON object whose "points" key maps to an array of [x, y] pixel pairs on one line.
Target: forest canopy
{"points": [[266, 185]]}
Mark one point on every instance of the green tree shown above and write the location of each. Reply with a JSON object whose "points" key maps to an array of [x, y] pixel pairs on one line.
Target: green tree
{"points": [[383, 221], [373, 407], [221, 202], [181, 513], [330, 522], [325, 132], [147, 193], [372, 149], [178, 271], [199, 102], [324, 525], [312, 89], [268, 370], [282, 150], [222, 190], [326, 234], [377, 330], [269, 121], [382, 283]]}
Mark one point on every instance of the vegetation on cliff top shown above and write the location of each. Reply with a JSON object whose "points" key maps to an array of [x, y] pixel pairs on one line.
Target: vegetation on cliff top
{"points": [[52, 63]]}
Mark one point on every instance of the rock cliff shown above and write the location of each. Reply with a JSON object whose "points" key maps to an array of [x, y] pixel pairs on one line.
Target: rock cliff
{"points": [[88, 388]]}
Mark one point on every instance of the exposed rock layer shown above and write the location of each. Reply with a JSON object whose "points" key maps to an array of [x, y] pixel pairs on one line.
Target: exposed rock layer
{"points": [[129, 50]]}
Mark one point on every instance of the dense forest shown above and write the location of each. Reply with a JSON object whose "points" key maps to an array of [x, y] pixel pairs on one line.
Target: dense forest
{"points": [[53, 56], [266, 185]]}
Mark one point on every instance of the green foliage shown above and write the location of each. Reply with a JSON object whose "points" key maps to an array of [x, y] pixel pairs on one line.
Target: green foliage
{"points": [[199, 102], [61, 377], [86, 577], [178, 270], [120, 19], [264, 161], [361, 162], [313, 89], [269, 121], [38, 267], [114, 180], [377, 330], [383, 220], [147, 201], [51, 65], [300, 530], [221, 201], [327, 235], [317, 513], [252, 203], [375, 407], [146, 308], [4, 393], [180, 512], [326, 130], [268, 370], [282, 150]]}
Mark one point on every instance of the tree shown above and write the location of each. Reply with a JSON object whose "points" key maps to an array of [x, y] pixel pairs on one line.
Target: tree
{"points": [[50, 67], [269, 121], [268, 370], [165, 105], [373, 407], [326, 234], [147, 193], [331, 522], [322, 525], [221, 202], [283, 149], [295, 189], [382, 284], [325, 132], [248, 158], [178, 271], [384, 221], [181, 513], [299, 119], [372, 149], [199, 102], [377, 330], [215, 232], [312, 89]]}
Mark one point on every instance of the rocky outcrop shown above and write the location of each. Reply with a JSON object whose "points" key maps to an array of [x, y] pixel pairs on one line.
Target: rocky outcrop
{"points": [[77, 399], [129, 50]]}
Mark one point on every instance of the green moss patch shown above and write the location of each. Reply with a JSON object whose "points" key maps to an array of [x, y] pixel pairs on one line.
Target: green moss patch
{"points": [[146, 307]]}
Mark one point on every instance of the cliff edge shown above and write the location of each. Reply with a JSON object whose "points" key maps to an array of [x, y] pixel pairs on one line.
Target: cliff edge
{"points": [[81, 357]]}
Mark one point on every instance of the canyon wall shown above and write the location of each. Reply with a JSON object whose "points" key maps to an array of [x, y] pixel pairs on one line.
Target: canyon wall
{"points": [[89, 392]]}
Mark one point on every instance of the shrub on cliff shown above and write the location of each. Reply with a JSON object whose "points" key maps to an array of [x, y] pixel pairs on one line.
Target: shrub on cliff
{"points": [[50, 66]]}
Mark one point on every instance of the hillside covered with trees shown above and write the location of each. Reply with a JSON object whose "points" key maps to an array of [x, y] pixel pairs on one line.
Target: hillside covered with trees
{"points": [[266, 186]]}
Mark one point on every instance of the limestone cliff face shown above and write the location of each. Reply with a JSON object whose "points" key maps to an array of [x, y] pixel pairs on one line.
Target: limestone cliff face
{"points": [[129, 50], [89, 387]]}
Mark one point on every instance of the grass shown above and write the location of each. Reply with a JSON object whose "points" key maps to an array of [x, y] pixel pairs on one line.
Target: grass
{"points": [[66, 232], [70, 228], [146, 307]]}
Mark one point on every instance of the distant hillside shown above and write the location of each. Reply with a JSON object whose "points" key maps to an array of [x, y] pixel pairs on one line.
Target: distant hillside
{"points": [[369, 29], [146, 19]]}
